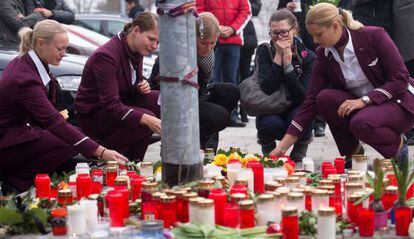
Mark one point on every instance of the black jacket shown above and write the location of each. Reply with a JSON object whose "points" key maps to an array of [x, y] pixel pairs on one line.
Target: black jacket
{"points": [[374, 13], [135, 11], [249, 33], [61, 12], [10, 24], [271, 75]]}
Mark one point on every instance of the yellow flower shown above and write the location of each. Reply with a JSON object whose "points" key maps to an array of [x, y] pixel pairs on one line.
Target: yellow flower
{"points": [[247, 158], [235, 156], [220, 160], [158, 170]]}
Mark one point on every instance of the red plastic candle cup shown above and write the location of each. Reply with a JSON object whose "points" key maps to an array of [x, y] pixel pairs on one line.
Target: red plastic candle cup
{"points": [[149, 211], [329, 171], [392, 178], [168, 211], [114, 199], [338, 204], [324, 166], [231, 217], [352, 209], [290, 223], [110, 176], [338, 186], [220, 199], [238, 188], [389, 197], [403, 218], [246, 209], [339, 164], [136, 183], [124, 205], [97, 180], [366, 222], [181, 211], [83, 186], [42, 186], [258, 175], [308, 202]]}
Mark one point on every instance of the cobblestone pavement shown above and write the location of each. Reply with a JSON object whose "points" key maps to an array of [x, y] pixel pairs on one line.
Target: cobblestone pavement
{"points": [[321, 149]]}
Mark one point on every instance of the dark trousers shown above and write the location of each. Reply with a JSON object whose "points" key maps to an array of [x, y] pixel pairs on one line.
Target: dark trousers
{"points": [[215, 111], [226, 63], [20, 163], [273, 127], [380, 126], [131, 141]]}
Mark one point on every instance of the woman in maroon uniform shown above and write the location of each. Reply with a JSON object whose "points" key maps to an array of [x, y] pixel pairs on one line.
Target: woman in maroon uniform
{"points": [[34, 136]]}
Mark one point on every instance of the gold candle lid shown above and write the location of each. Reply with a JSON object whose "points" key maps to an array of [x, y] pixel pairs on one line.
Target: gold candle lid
{"points": [[149, 185], [246, 204], [205, 184], [206, 203], [332, 176], [280, 180], [158, 195], [325, 182], [168, 191], [292, 180], [272, 185], [178, 194], [320, 193], [391, 189], [265, 198], [309, 190], [359, 158], [121, 181], [299, 174], [295, 196], [234, 149], [353, 172], [187, 196], [209, 151], [111, 169], [298, 190], [167, 198], [336, 180], [65, 193], [240, 181], [355, 178], [237, 197], [289, 211], [327, 187], [326, 211], [352, 186], [111, 164], [194, 200], [355, 197], [146, 164]]}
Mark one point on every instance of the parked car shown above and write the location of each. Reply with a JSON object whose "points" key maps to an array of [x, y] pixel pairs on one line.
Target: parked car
{"points": [[105, 24]]}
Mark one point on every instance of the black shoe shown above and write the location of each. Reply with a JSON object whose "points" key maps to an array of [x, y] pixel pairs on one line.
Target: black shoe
{"points": [[319, 131], [267, 147], [402, 156], [235, 122], [348, 158], [299, 150]]}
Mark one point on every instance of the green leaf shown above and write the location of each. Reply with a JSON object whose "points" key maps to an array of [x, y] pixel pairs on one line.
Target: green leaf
{"points": [[362, 199], [10, 217], [40, 213]]}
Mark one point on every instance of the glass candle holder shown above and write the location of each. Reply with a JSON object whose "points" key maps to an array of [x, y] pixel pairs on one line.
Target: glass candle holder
{"points": [[233, 170], [231, 215], [97, 180], [403, 218], [324, 166], [258, 175], [110, 175], [366, 222], [272, 185], [146, 169], [320, 198], [339, 164], [179, 198], [83, 186], [351, 188], [296, 200], [113, 200], [65, 197], [147, 188], [290, 223], [205, 211], [308, 198], [389, 197], [204, 187], [76, 220], [169, 210], [301, 176], [246, 209], [193, 209], [220, 199], [326, 228], [239, 188], [292, 182], [352, 209], [42, 185], [184, 215], [359, 162], [58, 221], [237, 197], [247, 174], [266, 209], [136, 183]]}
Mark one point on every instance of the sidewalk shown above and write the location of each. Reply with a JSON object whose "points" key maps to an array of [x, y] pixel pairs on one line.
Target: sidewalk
{"points": [[321, 149]]}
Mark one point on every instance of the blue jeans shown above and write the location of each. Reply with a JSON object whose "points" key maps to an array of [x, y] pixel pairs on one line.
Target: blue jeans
{"points": [[226, 63], [273, 126]]}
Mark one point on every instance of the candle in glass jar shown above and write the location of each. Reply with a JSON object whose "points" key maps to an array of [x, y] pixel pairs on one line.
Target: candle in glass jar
{"points": [[205, 212], [308, 165], [239, 188], [308, 198], [193, 209], [389, 197], [169, 213], [320, 198], [247, 174], [76, 219], [184, 215], [359, 162], [83, 186], [147, 188], [204, 187], [351, 188], [97, 180], [339, 164], [403, 218], [231, 215], [326, 223], [258, 175], [110, 175], [91, 207], [237, 197], [296, 200], [290, 223], [220, 199], [136, 183], [266, 209], [65, 197], [301, 176], [292, 182], [272, 186], [352, 209], [42, 186], [233, 170], [324, 166], [179, 201], [147, 169], [246, 209], [113, 200], [366, 222]]}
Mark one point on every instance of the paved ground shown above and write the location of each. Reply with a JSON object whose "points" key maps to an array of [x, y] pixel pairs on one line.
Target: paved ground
{"points": [[320, 149]]}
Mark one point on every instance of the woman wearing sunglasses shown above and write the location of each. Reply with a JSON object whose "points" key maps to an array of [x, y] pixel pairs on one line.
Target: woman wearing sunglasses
{"points": [[289, 63]]}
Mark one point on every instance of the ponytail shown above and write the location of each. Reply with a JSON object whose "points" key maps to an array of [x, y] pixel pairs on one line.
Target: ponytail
{"points": [[26, 40], [325, 14], [348, 20]]}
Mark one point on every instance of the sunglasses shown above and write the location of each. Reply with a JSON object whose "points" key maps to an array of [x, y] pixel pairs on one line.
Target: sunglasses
{"points": [[281, 33]]}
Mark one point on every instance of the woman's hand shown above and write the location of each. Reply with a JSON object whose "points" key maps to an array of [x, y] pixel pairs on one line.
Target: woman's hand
{"points": [[283, 146], [143, 87], [151, 122], [349, 106], [287, 56], [110, 155]]}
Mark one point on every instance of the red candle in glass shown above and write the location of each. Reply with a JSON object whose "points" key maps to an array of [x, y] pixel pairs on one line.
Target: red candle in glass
{"points": [[186, 204], [97, 180], [308, 202], [324, 166], [246, 209], [238, 188], [339, 165], [136, 183], [389, 197], [258, 176], [42, 186], [338, 204], [204, 188], [352, 210], [403, 218], [124, 205], [83, 185], [220, 199], [392, 178], [366, 222], [168, 210], [110, 175], [290, 223], [182, 213], [65, 197], [231, 216], [113, 200], [147, 189], [149, 211], [329, 171], [338, 186]]}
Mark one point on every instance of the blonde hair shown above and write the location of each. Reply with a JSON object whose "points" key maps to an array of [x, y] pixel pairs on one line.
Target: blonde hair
{"points": [[46, 29], [325, 14], [207, 25]]}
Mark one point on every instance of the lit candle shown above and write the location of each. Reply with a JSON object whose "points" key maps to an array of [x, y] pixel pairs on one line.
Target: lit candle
{"points": [[42, 186], [258, 172], [76, 219], [308, 198], [351, 188], [326, 223], [266, 209], [352, 209], [290, 223], [65, 197]]}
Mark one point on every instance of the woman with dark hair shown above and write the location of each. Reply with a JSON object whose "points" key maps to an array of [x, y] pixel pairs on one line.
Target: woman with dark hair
{"points": [[114, 103], [288, 62]]}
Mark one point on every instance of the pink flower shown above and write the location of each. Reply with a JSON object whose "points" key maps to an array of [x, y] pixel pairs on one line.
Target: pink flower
{"points": [[304, 53]]}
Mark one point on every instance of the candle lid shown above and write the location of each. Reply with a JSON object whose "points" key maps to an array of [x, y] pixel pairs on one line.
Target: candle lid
{"points": [[265, 197], [309, 190], [178, 194], [391, 189], [299, 174], [336, 180], [272, 185], [209, 151], [320, 193], [292, 180], [167, 198], [112, 169], [194, 200], [298, 190], [355, 178], [353, 172], [332, 176], [280, 180], [326, 211], [158, 195], [121, 181], [111, 164], [295, 196], [65, 192], [354, 186], [189, 195], [206, 203], [205, 184], [289, 211], [325, 182], [327, 187], [240, 181], [246, 204], [234, 149], [359, 158], [238, 196], [355, 197], [149, 185]]}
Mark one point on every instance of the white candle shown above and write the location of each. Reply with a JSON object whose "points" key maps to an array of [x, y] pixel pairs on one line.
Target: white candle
{"points": [[296, 200], [193, 209], [91, 207], [320, 198], [266, 209], [326, 223], [147, 169], [247, 174], [76, 219], [205, 212], [308, 164], [233, 170], [360, 163], [268, 174]]}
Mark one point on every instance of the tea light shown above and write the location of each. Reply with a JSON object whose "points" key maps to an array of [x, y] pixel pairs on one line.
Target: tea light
{"points": [[290, 222]]}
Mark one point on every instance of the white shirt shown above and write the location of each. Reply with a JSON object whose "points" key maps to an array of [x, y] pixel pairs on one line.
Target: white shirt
{"points": [[355, 79]]}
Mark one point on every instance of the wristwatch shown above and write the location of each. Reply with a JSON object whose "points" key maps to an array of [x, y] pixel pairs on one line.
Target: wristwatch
{"points": [[366, 100]]}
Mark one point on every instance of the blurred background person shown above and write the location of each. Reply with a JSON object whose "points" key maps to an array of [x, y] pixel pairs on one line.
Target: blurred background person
{"points": [[133, 8], [57, 10]]}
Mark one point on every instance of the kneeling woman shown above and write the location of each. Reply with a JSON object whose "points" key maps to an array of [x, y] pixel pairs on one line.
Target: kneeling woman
{"points": [[114, 104], [34, 136], [216, 100]]}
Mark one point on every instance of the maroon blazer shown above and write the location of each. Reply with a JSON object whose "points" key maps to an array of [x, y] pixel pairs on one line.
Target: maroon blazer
{"points": [[380, 61], [106, 84], [23, 99]]}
